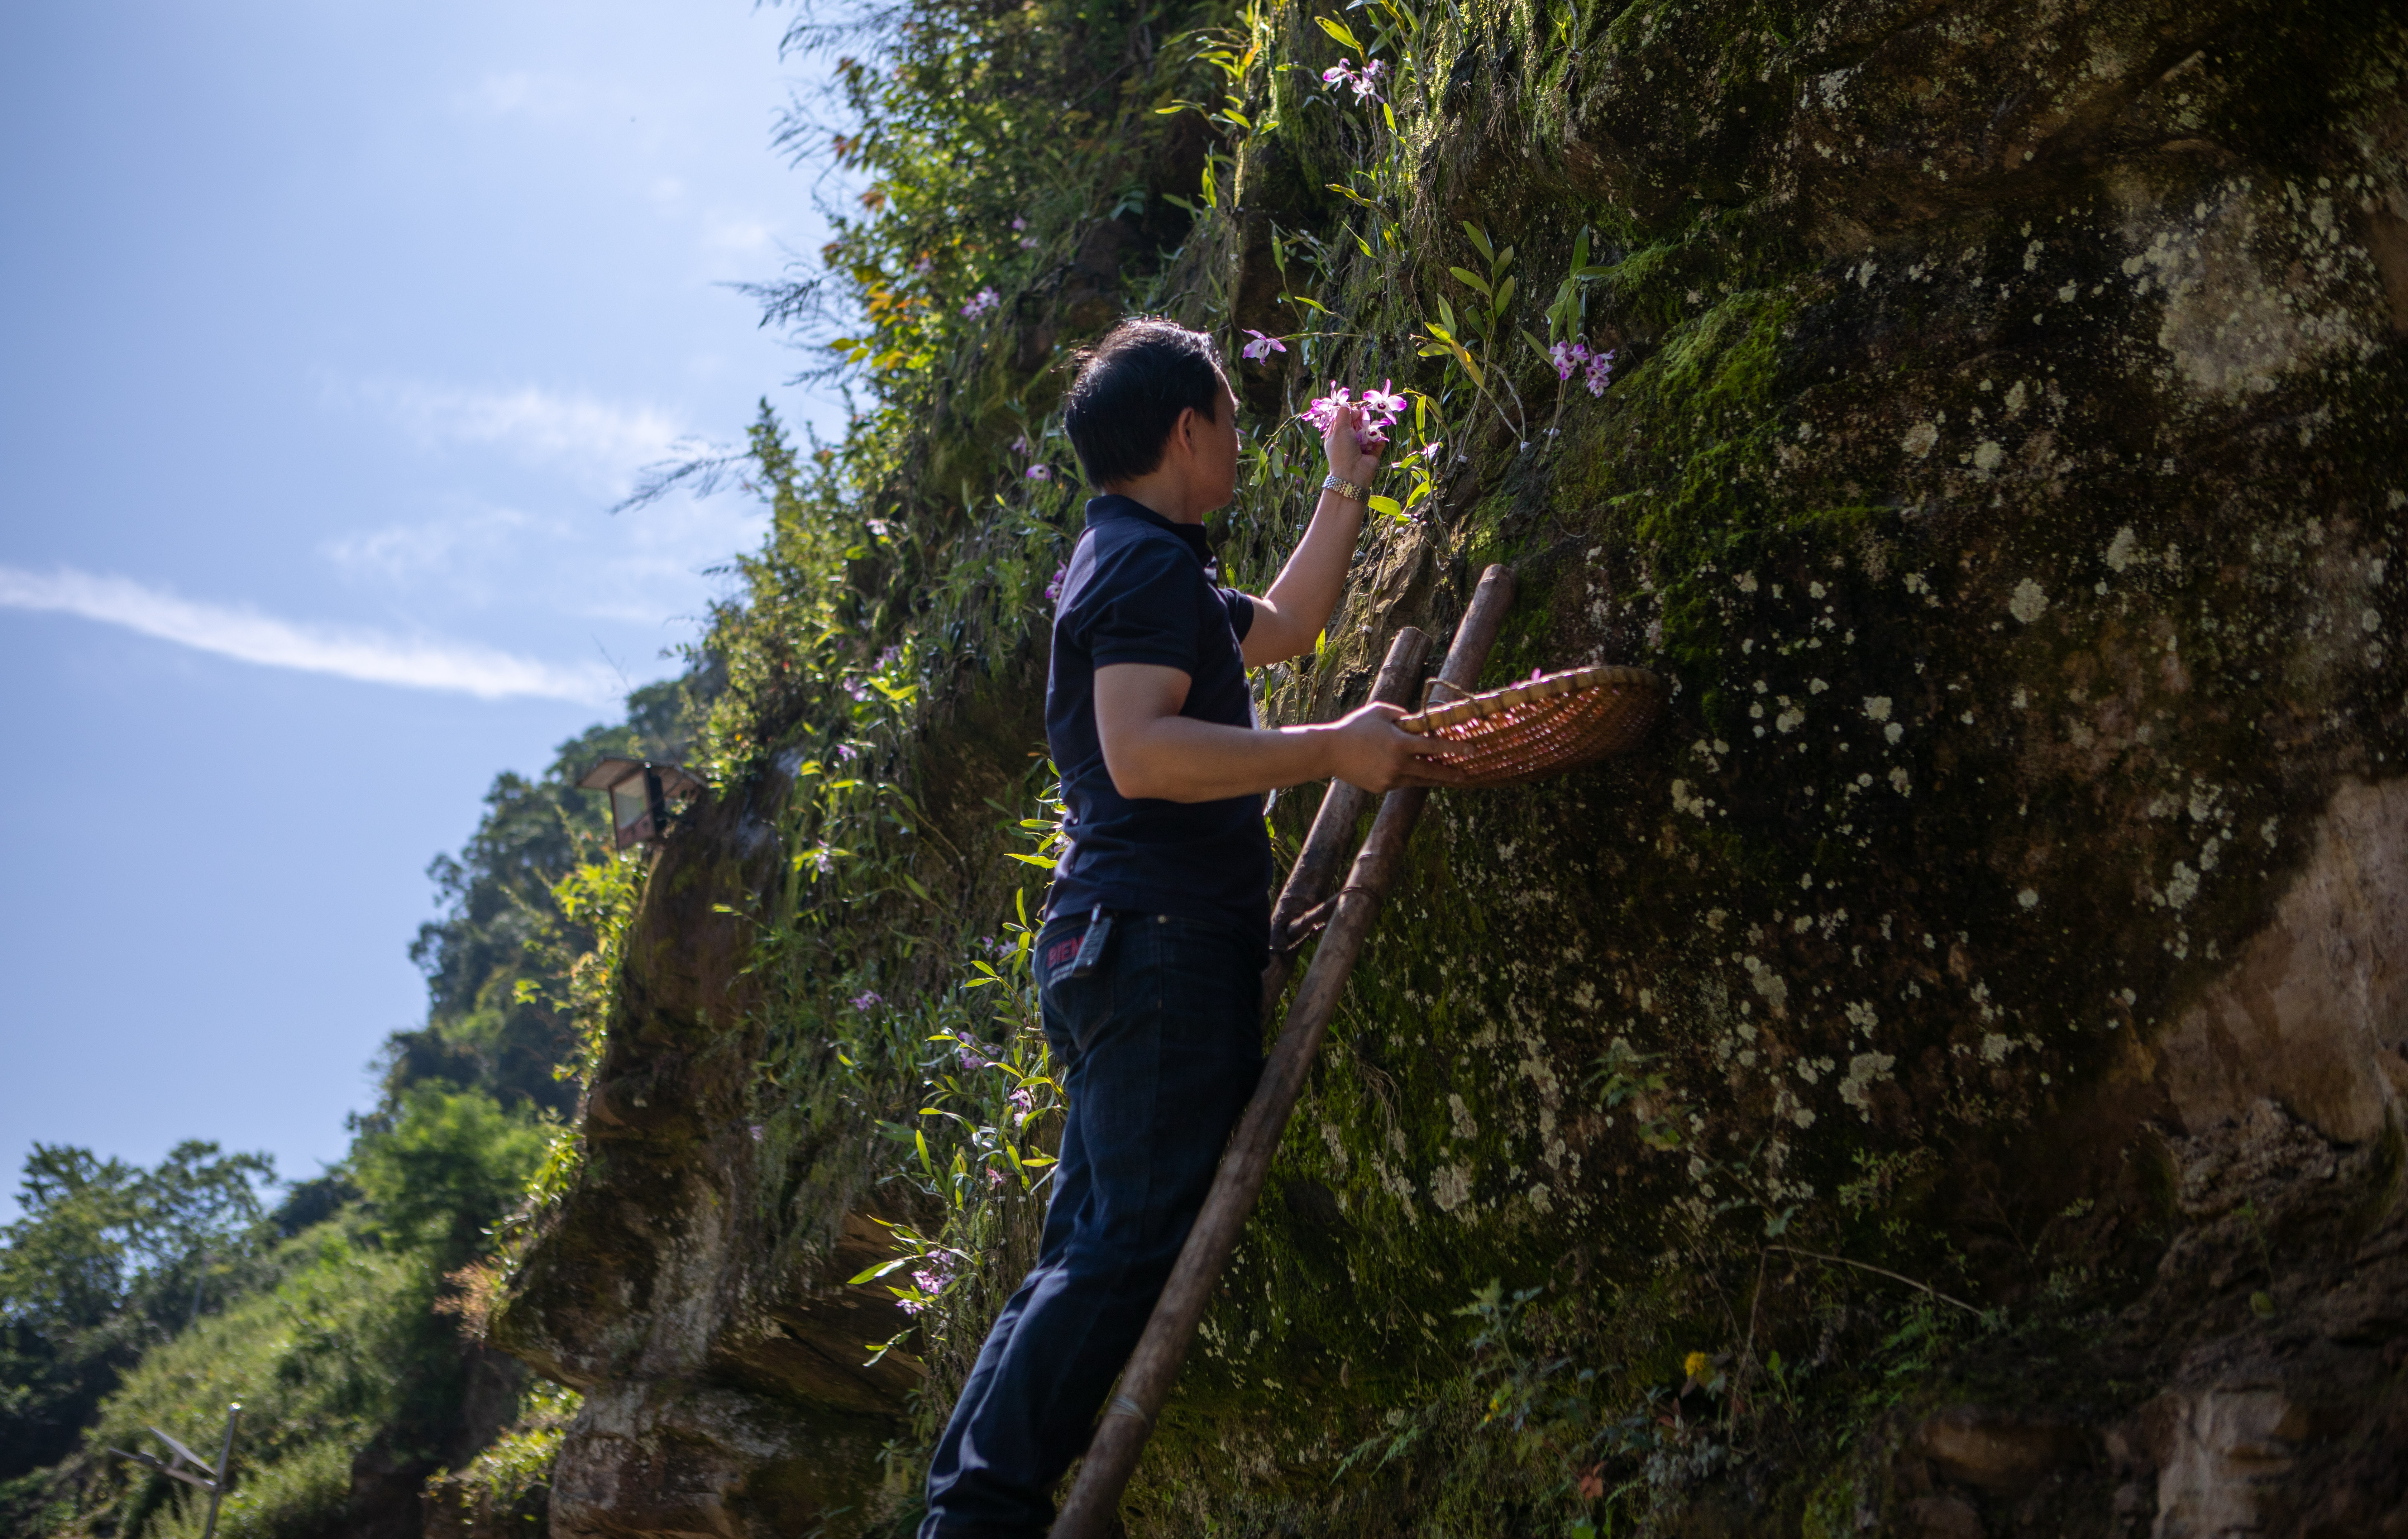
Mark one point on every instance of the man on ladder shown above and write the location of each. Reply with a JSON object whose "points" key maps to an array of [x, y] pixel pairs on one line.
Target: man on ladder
{"points": [[1149, 963]]}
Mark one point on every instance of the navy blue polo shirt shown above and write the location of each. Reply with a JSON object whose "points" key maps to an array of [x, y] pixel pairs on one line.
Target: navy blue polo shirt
{"points": [[1138, 591]]}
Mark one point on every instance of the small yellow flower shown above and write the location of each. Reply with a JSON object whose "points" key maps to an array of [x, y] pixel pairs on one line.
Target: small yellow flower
{"points": [[1697, 1366]]}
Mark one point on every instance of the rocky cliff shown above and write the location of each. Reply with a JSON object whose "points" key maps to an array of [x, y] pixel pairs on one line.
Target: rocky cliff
{"points": [[1949, 1080]]}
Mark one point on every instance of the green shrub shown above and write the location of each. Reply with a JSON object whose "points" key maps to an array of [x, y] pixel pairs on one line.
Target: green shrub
{"points": [[317, 1361], [298, 1497]]}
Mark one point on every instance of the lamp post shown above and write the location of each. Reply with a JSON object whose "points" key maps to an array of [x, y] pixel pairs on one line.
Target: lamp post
{"points": [[640, 792], [183, 1464]]}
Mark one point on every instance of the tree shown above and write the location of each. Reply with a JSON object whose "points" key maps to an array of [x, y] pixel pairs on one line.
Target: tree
{"points": [[107, 1260], [446, 1169]]}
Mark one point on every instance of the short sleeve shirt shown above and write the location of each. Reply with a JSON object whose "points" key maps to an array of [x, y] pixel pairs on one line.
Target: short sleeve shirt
{"points": [[1139, 589]]}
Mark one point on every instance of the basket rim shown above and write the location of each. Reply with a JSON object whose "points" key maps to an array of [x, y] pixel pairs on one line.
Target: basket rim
{"points": [[1496, 702]]}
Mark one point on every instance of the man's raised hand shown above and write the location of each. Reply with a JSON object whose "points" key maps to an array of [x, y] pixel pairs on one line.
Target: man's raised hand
{"points": [[1367, 749], [1351, 458]]}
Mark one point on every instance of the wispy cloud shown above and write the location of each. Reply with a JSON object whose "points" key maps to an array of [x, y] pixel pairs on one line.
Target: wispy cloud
{"points": [[597, 441], [467, 550], [343, 651]]}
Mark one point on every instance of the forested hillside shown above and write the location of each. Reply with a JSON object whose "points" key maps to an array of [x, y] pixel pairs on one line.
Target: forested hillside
{"points": [[1948, 1080], [332, 1306]]}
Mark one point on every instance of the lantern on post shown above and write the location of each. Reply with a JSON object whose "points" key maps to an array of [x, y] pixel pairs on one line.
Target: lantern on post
{"points": [[640, 793]]}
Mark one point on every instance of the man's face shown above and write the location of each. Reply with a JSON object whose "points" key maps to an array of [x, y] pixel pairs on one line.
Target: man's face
{"points": [[1217, 454]]}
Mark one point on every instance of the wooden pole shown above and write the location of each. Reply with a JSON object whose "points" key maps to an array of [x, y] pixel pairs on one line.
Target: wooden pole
{"points": [[225, 1470], [1315, 875], [1154, 1367]]}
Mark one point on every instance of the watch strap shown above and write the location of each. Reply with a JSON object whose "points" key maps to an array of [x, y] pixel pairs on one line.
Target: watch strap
{"points": [[1354, 490]]}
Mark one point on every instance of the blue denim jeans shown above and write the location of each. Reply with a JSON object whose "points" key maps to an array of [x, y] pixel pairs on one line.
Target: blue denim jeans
{"points": [[1159, 1048]]}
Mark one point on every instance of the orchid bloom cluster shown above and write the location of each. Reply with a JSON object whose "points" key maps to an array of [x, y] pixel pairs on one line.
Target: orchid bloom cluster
{"points": [[1038, 472], [1378, 411], [1027, 242], [1261, 347], [865, 1001], [1572, 357], [932, 1280], [980, 303], [1053, 589], [1364, 82]]}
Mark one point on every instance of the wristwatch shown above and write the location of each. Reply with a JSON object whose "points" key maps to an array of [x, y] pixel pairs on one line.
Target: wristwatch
{"points": [[1352, 490]]}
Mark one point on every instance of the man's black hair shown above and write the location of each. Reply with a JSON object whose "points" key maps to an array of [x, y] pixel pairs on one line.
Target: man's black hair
{"points": [[1129, 391]]}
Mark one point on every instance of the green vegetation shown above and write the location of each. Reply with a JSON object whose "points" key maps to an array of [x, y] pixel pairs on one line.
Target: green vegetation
{"points": [[1826, 968], [131, 1298], [106, 1260], [1676, 1142]]}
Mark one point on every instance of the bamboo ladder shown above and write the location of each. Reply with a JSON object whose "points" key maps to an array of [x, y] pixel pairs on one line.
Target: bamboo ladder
{"points": [[1304, 903]]}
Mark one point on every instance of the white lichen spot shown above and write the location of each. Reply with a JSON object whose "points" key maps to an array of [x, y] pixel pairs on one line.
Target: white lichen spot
{"points": [[1899, 780], [2028, 898], [1451, 1189], [1766, 983], [1988, 456], [1745, 581], [1685, 801], [2029, 602], [1542, 1200], [1893, 732], [1863, 1070], [1816, 686], [2123, 550], [1877, 708], [1337, 1143], [2182, 887], [1465, 1127], [1789, 720], [1920, 439], [1995, 1048], [1860, 1016]]}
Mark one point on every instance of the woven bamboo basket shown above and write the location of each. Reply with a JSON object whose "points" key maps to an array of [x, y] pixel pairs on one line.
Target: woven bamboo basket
{"points": [[1543, 725]]}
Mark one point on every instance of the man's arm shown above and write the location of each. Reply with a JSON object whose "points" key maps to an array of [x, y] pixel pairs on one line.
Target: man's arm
{"points": [[1290, 617], [1152, 751]]}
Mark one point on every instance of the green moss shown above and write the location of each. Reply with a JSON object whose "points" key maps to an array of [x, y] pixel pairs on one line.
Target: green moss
{"points": [[1817, 972]]}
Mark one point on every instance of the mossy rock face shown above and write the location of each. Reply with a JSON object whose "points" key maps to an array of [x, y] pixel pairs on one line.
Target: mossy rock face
{"points": [[708, 1324], [2013, 491], [2007, 465]]}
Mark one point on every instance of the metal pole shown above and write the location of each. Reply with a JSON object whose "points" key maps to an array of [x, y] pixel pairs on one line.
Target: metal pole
{"points": [[1145, 1384], [224, 1473]]}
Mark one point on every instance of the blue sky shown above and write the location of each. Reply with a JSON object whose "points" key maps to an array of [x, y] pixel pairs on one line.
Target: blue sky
{"points": [[333, 330]]}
